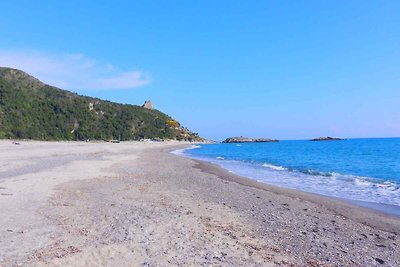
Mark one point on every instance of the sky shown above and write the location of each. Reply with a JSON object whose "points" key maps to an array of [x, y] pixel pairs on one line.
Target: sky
{"points": [[277, 69]]}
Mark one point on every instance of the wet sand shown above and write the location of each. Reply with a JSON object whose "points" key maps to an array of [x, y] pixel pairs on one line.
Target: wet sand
{"points": [[136, 204]]}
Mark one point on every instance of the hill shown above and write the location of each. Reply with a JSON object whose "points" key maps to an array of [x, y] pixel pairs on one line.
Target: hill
{"points": [[30, 109]]}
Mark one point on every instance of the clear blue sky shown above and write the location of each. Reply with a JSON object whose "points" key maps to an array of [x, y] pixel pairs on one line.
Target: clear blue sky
{"points": [[281, 69]]}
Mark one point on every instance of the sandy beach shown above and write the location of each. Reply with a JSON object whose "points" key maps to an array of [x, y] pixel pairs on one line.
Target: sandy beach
{"points": [[137, 204]]}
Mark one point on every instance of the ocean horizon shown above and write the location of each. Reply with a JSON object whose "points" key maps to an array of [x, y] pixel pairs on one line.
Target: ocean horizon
{"points": [[360, 170]]}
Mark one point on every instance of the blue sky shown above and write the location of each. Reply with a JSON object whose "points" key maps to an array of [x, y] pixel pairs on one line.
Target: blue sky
{"points": [[280, 69]]}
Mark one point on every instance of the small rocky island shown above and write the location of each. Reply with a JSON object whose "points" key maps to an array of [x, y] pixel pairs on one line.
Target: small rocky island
{"points": [[242, 139], [328, 138]]}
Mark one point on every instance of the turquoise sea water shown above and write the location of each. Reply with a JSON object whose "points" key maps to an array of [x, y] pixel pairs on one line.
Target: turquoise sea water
{"points": [[353, 169]]}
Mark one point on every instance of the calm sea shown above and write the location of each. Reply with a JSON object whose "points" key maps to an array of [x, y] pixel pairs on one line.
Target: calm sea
{"points": [[353, 169]]}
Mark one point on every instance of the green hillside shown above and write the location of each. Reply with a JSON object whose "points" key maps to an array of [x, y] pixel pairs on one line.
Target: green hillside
{"points": [[30, 109]]}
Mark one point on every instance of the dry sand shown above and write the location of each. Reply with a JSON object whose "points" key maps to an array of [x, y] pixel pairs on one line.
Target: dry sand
{"points": [[135, 204]]}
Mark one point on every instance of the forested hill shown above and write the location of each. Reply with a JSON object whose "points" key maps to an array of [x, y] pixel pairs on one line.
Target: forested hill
{"points": [[30, 109]]}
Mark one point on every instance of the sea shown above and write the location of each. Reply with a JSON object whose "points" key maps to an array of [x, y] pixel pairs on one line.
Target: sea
{"points": [[365, 172]]}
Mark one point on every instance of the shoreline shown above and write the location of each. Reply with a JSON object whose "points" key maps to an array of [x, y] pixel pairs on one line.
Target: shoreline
{"points": [[95, 204], [366, 215], [385, 209]]}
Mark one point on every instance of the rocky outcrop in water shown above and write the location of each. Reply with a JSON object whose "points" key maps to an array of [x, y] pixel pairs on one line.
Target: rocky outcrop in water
{"points": [[328, 138], [242, 139]]}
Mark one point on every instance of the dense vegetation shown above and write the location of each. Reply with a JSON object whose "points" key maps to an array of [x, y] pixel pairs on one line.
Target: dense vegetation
{"points": [[30, 109]]}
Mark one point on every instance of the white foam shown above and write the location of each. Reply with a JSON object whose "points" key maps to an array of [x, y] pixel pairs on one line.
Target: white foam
{"points": [[181, 152], [192, 147], [361, 182], [277, 168]]}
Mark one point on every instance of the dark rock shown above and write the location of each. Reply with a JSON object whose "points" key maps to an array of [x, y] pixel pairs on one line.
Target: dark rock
{"points": [[328, 138], [242, 139]]}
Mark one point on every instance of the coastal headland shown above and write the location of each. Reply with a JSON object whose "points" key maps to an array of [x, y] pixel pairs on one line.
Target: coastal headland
{"points": [[136, 204]]}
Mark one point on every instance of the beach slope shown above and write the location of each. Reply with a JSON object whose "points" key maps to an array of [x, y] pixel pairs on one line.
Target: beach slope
{"points": [[136, 204]]}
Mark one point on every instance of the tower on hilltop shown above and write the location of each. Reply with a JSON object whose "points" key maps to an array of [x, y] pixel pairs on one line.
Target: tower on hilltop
{"points": [[147, 104]]}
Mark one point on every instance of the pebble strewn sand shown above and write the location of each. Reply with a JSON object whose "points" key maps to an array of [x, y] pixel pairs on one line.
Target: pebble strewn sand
{"points": [[135, 204]]}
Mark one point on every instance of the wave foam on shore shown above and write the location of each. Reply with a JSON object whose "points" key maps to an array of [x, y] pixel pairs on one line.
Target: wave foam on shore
{"points": [[343, 186]]}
